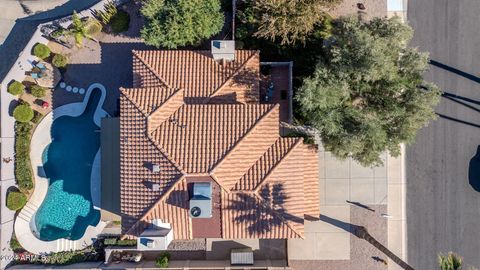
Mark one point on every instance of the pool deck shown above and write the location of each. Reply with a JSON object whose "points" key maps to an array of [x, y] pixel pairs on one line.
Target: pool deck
{"points": [[25, 223]]}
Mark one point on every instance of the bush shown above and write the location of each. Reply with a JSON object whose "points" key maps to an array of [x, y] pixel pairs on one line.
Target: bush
{"points": [[16, 88], [57, 33], [16, 200], [120, 22], [162, 260], [37, 116], [41, 51], [127, 242], [23, 113], [110, 241], [23, 169], [105, 15], [38, 91], [59, 60], [14, 244]]}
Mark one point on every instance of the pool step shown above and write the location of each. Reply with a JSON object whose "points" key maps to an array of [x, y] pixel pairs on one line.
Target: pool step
{"points": [[66, 245], [25, 216], [30, 210]]}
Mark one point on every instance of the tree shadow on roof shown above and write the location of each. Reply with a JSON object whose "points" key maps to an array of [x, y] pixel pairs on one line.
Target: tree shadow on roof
{"points": [[263, 215]]}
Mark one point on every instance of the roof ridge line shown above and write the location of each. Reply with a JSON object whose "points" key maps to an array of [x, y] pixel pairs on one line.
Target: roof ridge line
{"points": [[177, 91], [135, 53], [262, 200], [231, 76], [270, 172], [160, 200], [264, 116], [125, 94]]}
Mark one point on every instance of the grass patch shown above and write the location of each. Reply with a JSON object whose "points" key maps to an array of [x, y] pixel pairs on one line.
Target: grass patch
{"points": [[120, 22], [23, 169]]}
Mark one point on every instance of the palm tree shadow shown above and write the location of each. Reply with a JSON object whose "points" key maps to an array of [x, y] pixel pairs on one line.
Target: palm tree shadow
{"points": [[263, 215], [474, 171], [362, 233]]}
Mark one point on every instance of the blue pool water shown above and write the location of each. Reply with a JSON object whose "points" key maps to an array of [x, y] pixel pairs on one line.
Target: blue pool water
{"points": [[67, 209]]}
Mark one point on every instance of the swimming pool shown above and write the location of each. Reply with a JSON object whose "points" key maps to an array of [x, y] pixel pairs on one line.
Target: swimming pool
{"points": [[67, 209]]}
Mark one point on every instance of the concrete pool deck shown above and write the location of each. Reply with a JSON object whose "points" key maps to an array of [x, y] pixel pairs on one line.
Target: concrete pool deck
{"points": [[25, 222]]}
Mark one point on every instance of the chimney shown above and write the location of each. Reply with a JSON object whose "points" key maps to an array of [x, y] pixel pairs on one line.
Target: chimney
{"points": [[223, 50]]}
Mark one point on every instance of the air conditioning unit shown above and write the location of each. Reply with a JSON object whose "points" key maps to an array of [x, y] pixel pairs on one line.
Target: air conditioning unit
{"points": [[201, 201]]}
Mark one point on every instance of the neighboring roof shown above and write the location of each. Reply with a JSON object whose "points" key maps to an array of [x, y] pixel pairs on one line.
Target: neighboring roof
{"points": [[264, 184]]}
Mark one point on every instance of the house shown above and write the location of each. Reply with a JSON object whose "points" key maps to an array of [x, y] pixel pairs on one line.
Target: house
{"points": [[202, 155]]}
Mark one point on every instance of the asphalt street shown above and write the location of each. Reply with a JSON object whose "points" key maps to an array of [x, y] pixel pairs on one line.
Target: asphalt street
{"points": [[443, 167]]}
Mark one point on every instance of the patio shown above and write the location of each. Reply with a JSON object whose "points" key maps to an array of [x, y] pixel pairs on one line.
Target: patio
{"points": [[275, 86]]}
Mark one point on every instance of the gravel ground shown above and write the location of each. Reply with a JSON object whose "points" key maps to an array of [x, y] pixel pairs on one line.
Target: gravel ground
{"points": [[373, 8], [108, 61], [361, 252]]}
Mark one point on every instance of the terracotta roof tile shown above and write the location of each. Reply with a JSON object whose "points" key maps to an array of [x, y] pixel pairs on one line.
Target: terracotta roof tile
{"points": [[248, 150], [264, 165], [196, 71], [136, 153], [198, 136], [245, 216], [267, 181]]}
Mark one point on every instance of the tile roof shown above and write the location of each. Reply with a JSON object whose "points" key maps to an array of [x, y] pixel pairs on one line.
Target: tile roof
{"points": [[199, 74], [200, 119]]}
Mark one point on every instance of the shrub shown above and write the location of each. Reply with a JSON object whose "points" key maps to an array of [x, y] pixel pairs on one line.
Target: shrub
{"points": [[38, 91], [105, 15], [23, 113], [120, 22], [59, 60], [23, 170], [16, 200], [57, 33], [110, 241], [127, 242], [37, 116], [16, 88], [162, 260], [14, 244], [41, 51]]}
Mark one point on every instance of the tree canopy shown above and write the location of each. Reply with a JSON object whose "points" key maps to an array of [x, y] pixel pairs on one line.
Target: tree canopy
{"points": [[174, 23], [287, 21], [367, 94]]}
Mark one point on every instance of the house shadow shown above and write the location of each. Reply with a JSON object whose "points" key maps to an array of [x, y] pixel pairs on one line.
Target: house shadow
{"points": [[474, 171]]}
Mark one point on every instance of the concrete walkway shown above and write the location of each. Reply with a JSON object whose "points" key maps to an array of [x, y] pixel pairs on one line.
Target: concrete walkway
{"points": [[346, 186]]}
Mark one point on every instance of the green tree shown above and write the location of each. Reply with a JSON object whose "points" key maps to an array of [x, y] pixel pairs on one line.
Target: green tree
{"points": [[16, 88], [174, 23], [38, 91], [367, 94], [288, 21], [83, 28], [59, 60], [41, 51], [23, 113]]}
